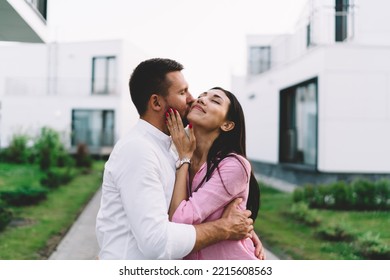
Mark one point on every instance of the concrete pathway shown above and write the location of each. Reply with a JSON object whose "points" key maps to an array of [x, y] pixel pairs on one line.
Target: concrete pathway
{"points": [[80, 241]]}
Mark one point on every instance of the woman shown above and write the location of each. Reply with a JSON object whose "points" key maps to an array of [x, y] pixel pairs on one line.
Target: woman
{"points": [[217, 172]]}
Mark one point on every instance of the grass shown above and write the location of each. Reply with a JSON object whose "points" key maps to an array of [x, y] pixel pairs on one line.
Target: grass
{"points": [[289, 239], [42, 226], [12, 175]]}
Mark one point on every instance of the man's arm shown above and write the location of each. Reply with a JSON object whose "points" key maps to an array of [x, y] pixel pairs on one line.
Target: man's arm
{"points": [[234, 224]]}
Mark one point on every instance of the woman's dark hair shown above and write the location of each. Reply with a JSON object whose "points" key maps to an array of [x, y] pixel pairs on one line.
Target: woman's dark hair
{"points": [[230, 142], [149, 77]]}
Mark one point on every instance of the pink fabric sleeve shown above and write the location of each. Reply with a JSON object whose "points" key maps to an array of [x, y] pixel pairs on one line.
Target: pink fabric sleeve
{"points": [[213, 196]]}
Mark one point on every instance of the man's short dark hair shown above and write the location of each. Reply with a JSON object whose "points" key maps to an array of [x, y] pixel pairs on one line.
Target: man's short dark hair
{"points": [[148, 78]]}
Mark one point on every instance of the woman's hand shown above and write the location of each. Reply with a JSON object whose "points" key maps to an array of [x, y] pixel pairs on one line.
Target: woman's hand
{"points": [[185, 145], [259, 249]]}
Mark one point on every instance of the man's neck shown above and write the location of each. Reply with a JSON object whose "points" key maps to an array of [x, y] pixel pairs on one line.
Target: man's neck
{"points": [[156, 122]]}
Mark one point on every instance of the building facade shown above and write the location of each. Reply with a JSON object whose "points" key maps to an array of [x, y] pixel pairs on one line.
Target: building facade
{"points": [[79, 89], [317, 102], [23, 21]]}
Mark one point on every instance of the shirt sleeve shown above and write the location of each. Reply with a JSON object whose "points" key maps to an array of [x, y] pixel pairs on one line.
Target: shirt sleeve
{"points": [[145, 205], [214, 194]]}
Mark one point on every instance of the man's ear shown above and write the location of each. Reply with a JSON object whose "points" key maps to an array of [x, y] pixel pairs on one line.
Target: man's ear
{"points": [[227, 126], [155, 102]]}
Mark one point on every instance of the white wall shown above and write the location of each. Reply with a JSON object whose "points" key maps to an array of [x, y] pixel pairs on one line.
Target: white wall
{"points": [[353, 88], [29, 71], [372, 22], [355, 110], [132, 56], [262, 112]]}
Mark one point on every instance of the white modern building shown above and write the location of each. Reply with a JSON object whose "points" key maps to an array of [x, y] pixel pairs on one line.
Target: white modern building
{"points": [[23, 21], [317, 102], [77, 88]]}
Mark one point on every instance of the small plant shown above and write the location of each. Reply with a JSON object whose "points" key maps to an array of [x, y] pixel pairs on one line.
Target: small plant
{"points": [[382, 194], [83, 158], [364, 194], [301, 213], [23, 195], [360, 195], [5, 216], [370, 246], [17, 150], [48, 148], [56, 177], [335, 232]]}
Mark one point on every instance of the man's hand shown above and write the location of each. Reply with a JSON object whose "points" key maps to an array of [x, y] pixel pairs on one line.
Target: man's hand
{"points": [[237, 222]]}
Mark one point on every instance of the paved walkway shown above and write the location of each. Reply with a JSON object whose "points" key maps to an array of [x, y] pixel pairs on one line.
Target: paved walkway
{"points": [[80, 241]]}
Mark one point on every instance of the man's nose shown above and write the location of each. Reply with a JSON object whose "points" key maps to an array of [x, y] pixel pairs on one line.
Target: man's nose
{"points": [[190, 98]]}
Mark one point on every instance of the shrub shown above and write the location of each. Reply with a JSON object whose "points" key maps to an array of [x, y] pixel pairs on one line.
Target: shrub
{"points": [[83, 158], [301, 213], [5, 216], [335, 232], [382, 194], [55, 177], [364, 194], [359, 195], [342, 195], [298, 195], [64, 159], [18, 150], [23, 195], [48, 148], [370, 246]]}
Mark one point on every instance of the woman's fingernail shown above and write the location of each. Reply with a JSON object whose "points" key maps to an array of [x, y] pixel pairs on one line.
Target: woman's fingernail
{"points": [[170, 110], [167, 114], [190, 125]]}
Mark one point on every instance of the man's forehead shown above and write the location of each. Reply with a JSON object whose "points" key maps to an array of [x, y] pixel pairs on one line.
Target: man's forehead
{"points": [[177, 80]]}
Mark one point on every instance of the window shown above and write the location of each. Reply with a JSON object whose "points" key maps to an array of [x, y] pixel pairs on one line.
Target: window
{"points": [[308, 35], [341, 31], [94, 128], [103, 75], [298, 124], [40, 6], [259, 59]]}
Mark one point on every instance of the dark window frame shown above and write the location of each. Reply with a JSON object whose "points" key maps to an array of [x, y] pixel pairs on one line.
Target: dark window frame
{"points": [[102, 141], [106, 90], [341, 20], [287, 119], [264, 65]]}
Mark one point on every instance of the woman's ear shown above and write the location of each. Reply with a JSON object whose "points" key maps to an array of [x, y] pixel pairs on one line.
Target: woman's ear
{"points": [[227, 126]]}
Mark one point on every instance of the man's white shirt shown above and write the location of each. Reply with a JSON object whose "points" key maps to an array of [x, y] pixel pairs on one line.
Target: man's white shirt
{"points": [[132, 222]]}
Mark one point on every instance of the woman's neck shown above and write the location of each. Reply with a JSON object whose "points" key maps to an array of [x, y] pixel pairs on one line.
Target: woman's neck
{"points": [[204, 141]]}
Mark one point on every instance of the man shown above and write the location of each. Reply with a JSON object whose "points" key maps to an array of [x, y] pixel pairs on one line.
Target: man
{"points": [[139, 176]]}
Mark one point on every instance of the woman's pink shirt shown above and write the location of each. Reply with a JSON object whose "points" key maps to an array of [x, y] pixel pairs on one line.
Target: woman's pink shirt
{"points": [[208, 203]]}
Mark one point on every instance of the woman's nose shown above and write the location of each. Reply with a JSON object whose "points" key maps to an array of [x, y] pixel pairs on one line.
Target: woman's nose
{"points": [[201, 100]]}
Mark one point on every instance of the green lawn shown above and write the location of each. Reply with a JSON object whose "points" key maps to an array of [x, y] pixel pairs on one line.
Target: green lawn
{"points": [[39, 228], [289, 239]]}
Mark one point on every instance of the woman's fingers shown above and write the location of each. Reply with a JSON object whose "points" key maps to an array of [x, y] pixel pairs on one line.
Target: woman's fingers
{"points": [[169, 122], [178, 120], [172, 120]]}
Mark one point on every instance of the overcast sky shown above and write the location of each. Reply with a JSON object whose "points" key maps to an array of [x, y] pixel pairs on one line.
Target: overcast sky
{"points": [[207, 36]]}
